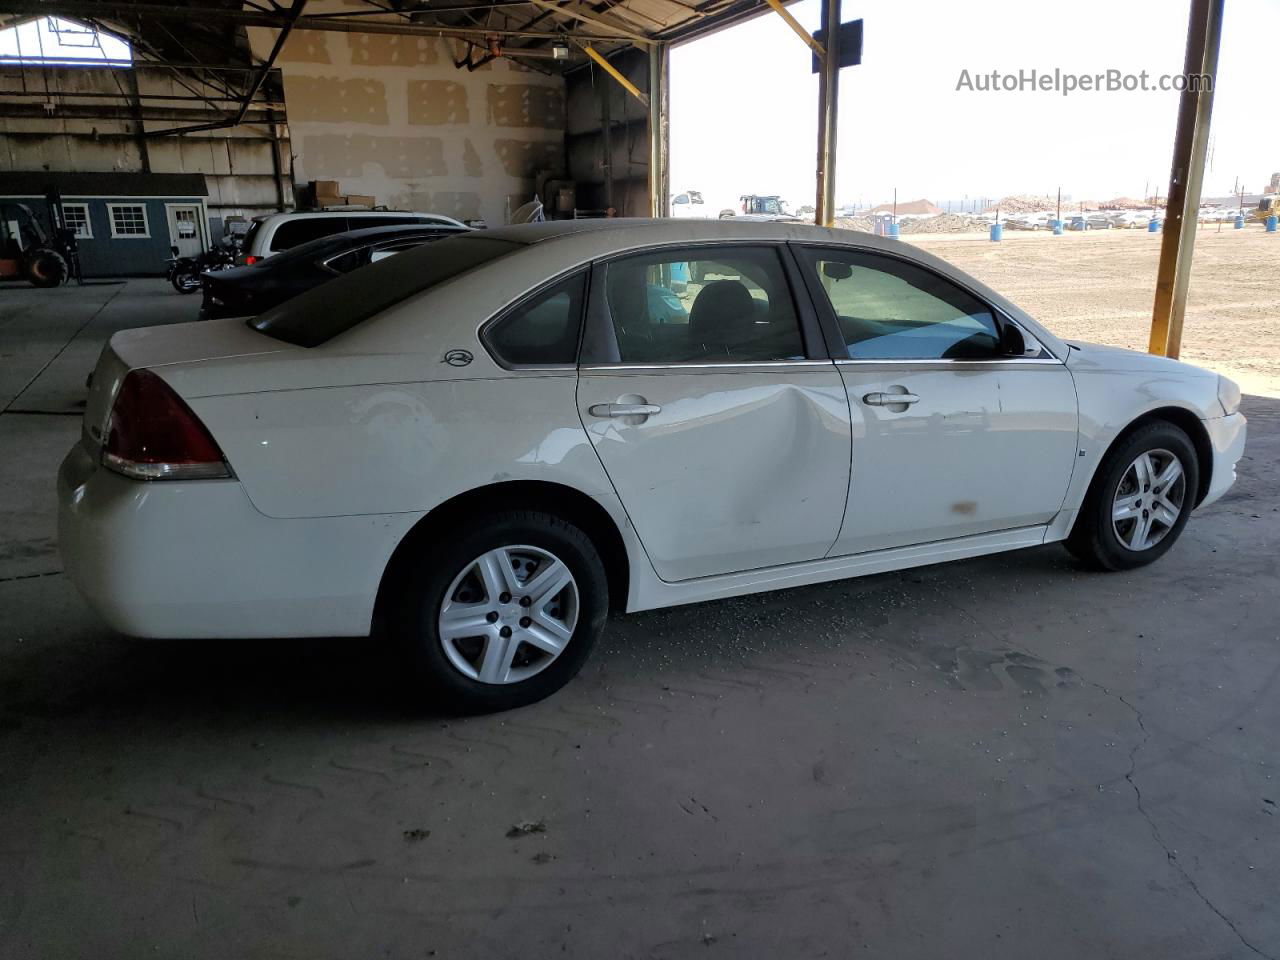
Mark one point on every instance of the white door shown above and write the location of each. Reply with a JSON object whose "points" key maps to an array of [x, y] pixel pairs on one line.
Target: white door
{"points": [[951, 438], [184, 229], [725, 438]]}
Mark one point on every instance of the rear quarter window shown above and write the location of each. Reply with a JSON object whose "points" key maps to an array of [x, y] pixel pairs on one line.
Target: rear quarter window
{"points": [[322, 313]]}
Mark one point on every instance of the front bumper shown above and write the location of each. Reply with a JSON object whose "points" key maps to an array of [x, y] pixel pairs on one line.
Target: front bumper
{"points": [[1226, 437], [195, 559]]}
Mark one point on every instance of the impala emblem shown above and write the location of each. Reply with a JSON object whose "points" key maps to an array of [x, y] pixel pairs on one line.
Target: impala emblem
{"points": [[457, 358]]}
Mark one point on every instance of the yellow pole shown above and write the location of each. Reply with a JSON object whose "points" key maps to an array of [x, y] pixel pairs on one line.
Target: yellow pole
{"points": [[614, 72], [794, 24]]}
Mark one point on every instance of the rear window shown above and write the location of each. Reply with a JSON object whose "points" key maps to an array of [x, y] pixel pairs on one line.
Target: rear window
{"points": [[322, 313], [291, 233]]}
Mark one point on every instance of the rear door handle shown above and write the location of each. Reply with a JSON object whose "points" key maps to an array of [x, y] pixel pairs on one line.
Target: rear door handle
{"points": [[889, 399], [624, 409]]}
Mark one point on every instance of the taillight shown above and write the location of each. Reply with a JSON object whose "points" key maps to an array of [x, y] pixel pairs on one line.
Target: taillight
{"points": [[249, 261], [153, 435]]}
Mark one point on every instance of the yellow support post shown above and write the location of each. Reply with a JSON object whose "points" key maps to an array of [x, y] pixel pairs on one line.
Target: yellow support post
{"points": [[800, 31], [614, 72]]}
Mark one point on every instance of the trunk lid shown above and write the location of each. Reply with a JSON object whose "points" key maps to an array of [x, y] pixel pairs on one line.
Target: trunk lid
{"points": [[157, 347]]}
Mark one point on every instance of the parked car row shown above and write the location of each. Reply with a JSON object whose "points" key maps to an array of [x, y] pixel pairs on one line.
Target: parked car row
{"points": [[281, 255], [249, 290]]}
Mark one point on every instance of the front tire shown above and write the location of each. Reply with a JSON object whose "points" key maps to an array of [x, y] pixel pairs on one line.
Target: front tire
{"points": [[1141, 497], [502, 615]]}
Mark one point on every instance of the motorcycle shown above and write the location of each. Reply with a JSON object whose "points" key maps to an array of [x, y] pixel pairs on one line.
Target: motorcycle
{"points": [[184, 272]]}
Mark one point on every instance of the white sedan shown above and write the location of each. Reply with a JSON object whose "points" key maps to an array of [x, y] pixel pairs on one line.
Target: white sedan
{"points": [[485, 444]]}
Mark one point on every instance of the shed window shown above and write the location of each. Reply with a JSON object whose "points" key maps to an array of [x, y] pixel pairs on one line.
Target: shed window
{"points": [[76, 217], [128, 220]]}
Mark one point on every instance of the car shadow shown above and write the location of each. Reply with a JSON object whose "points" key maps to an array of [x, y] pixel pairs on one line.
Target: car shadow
{"points": [[78, 672]]}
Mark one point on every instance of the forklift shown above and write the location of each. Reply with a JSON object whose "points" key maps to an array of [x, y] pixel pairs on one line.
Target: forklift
{"points": [[28, 252]]}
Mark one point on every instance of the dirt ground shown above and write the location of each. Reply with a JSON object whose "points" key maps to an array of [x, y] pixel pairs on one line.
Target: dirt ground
{"points": [[1001, 758], [1100, 285]]}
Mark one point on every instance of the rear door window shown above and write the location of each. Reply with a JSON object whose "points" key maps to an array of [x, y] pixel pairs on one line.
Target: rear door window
{"points": [[703, 305], [303, 229]]}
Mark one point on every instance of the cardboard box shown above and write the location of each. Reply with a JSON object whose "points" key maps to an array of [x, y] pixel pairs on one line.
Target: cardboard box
{"points": [[323, 202], [360, 200], [326, 188]]}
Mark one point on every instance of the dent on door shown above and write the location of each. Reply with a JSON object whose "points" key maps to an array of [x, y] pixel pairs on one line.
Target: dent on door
{"points": [[722, 472]]}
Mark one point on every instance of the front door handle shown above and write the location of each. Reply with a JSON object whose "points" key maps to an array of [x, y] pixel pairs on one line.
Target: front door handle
{"points": [[889, 399], [624, 409]]}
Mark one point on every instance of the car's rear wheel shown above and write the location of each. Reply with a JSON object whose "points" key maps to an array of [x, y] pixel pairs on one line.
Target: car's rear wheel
{"points": [[502, 615], [1140, 500]]}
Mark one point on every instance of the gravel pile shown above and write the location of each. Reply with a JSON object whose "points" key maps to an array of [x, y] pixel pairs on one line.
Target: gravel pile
{"points": [[854, 223], [943, 223]]}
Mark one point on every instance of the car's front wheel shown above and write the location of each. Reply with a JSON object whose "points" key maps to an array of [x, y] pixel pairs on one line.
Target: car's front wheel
{"points": [[1140, 500], [502, 615]]}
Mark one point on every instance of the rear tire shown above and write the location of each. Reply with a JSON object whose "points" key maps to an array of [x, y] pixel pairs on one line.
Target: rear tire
{"points": [[186, 281], [1141, 497], [46, 268], [462, 580]]}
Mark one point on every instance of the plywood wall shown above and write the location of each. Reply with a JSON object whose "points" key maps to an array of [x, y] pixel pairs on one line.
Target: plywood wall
{"points": [[392, 117]]}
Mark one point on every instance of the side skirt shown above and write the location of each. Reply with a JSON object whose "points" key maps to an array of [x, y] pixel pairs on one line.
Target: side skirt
{"points": [[649, 593]]}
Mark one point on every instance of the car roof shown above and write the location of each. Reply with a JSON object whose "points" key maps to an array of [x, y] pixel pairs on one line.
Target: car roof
{"points": [[535, 252], [335, 243], [616, 234], [338, 212], [368, 234]]}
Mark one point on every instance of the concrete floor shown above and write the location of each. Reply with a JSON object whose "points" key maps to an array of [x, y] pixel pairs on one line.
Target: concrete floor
{"points": [[1006, 757]]}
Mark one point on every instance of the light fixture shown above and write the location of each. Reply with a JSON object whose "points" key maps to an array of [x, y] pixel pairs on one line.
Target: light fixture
{"points": [[559, 51]]}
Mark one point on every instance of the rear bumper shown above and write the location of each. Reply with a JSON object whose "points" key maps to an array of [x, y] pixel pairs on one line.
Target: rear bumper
{"points": [[195, 559], [1226, 437]]}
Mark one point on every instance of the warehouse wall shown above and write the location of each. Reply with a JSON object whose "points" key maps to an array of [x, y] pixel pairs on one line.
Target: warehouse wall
{"points": [[392, 117], [82, 121], [608, 136]]}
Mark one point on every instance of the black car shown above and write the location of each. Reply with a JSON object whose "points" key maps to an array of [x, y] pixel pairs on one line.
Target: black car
{"points": [[248, 291]]}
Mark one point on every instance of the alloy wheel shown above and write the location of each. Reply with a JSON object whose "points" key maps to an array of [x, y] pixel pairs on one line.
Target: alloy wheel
{"points": [[1149, 500], [509, 614]]}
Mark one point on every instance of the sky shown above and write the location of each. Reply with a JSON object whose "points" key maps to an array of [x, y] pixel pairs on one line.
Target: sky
{"points": [[744, 103], [72, 41]]}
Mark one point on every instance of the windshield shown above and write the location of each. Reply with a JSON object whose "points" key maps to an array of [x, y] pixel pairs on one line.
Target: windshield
{"points": [[322, 313]]}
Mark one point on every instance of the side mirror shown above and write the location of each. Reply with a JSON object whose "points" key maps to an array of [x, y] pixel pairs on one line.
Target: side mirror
{"points": [[1012, 342]]}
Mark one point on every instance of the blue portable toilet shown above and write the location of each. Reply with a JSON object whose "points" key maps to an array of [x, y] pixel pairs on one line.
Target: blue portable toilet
{"points": [[1271, 224], [893, 230], [1057, 227]]}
